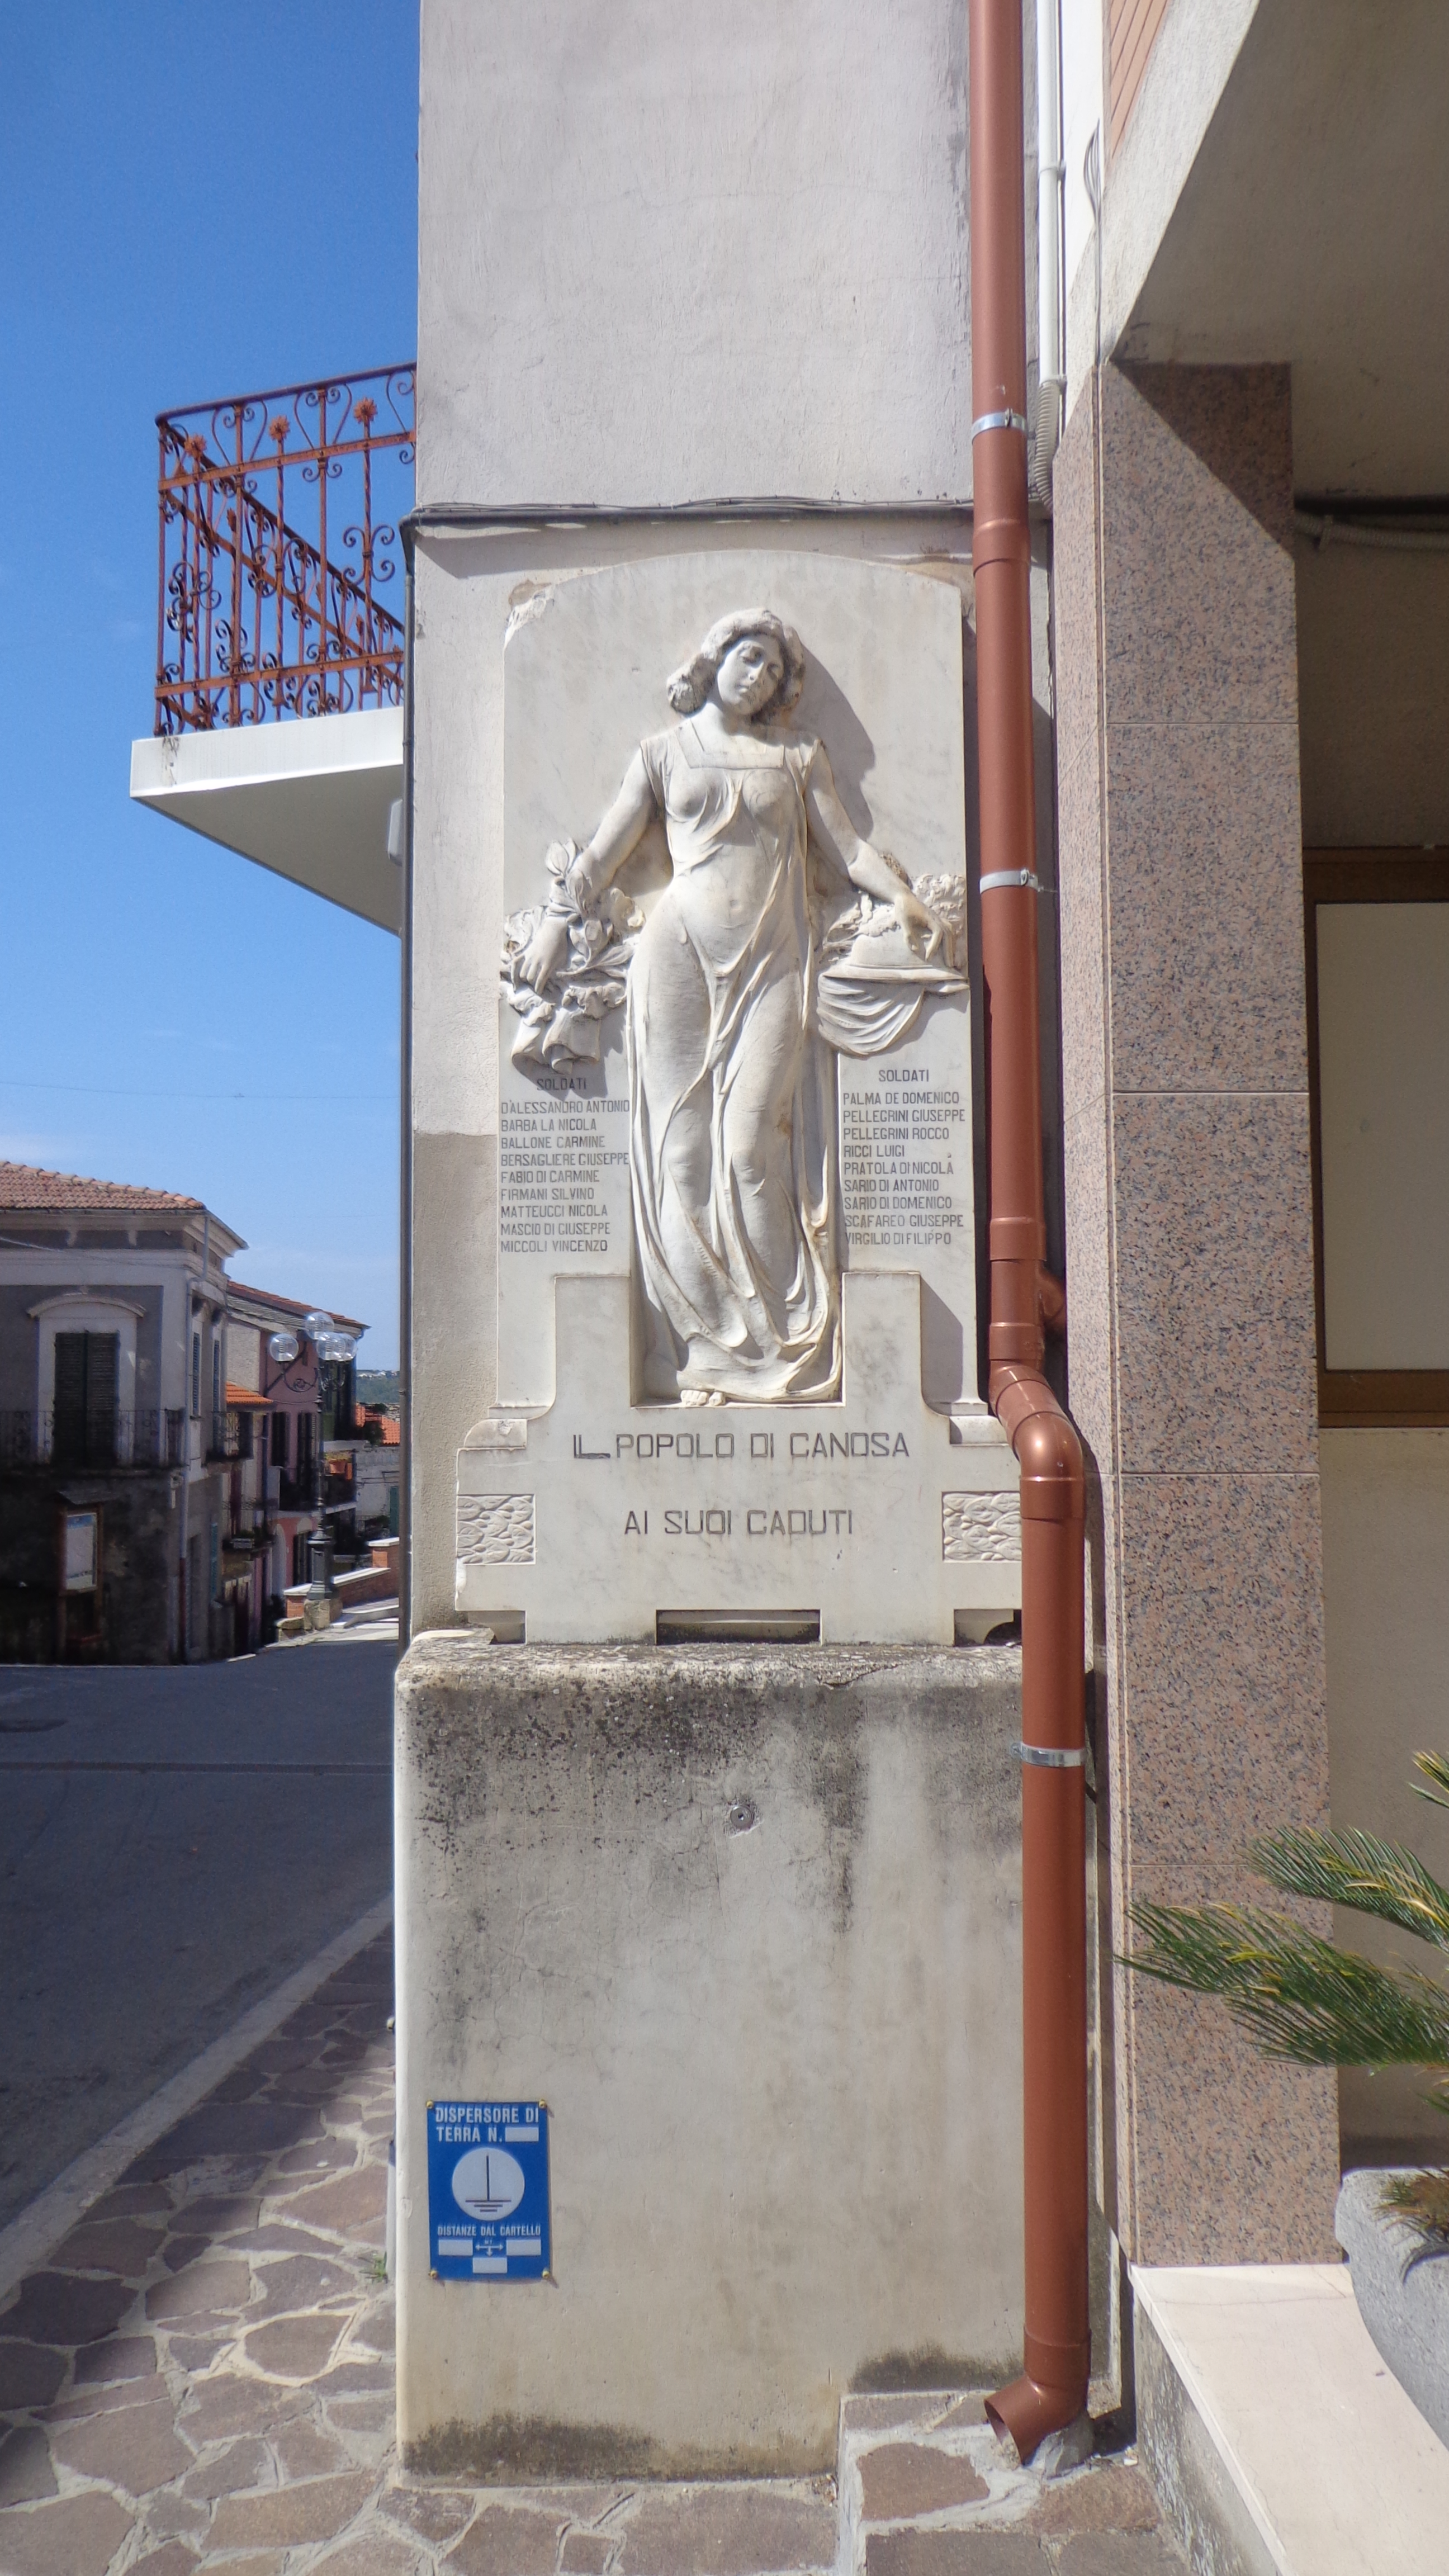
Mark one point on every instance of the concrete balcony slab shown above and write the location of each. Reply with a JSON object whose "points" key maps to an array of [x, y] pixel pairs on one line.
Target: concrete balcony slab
{"points": [[308, 799]]}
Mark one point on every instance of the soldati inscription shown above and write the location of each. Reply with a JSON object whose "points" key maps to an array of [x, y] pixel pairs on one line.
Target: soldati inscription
{"points": [[554, 1154], [905, 1159]]}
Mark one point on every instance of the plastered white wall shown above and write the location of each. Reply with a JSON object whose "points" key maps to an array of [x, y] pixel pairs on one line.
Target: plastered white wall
{"points": [[1083, 58], [1386, 1639], [1146, 177], [754, 1935], [668, 253]]}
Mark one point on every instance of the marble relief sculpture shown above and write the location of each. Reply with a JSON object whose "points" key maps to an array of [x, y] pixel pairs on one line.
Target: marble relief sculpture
{"points": [[781, 938]]}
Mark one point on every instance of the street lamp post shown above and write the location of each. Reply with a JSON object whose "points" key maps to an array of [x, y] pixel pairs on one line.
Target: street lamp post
{"points": [[330, 1344]]}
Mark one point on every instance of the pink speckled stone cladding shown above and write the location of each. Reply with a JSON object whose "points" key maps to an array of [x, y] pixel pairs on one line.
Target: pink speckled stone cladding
{"points": [[1217, 1677], [1234, 2157], [1189, 1238], [1214, 1289], [1207, 912]]}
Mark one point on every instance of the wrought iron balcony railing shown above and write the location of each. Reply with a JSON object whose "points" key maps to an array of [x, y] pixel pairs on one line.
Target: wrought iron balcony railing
{"points": [[280, 576], [92, 1439], [229, 1433]]}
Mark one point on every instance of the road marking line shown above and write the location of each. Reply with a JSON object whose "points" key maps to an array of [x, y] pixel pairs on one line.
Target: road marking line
{"points": [[34, 2234]]}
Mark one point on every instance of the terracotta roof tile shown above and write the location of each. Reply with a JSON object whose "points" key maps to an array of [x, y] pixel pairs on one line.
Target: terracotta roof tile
{"points": [[292, 1305], [24, 1186]]}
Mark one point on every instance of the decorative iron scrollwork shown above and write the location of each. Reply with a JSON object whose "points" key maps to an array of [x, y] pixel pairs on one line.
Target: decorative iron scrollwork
{"points": [[279, 585]]}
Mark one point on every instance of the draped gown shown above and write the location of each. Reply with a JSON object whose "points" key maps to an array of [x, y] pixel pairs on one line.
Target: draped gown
{"points": [[732, 1124]]}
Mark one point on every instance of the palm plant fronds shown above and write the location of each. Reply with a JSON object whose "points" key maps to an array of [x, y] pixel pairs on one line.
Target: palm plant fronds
{"points": [[1357, 1871], [1433, 1767], [1421, 2200], [1302, 1999]]}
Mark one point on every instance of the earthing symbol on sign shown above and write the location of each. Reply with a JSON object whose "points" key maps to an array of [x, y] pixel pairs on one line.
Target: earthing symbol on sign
{"points": [[488, 2183]]}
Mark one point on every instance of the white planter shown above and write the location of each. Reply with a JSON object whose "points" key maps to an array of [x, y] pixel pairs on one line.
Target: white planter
{"points": [[1402, 2294]]}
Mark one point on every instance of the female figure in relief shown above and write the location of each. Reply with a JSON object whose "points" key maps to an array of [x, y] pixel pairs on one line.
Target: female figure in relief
{"points": [[731, 1092]]}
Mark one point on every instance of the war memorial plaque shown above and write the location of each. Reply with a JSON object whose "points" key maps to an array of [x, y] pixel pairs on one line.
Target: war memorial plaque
{"points": [[705, 1831], [737, 1308]]}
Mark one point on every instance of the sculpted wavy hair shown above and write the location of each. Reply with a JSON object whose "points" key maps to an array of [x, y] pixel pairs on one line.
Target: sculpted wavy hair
{"points": [[690, 685]]}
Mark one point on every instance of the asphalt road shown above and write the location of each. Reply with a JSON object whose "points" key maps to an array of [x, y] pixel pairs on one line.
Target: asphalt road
{"points": [[174, 1842]]}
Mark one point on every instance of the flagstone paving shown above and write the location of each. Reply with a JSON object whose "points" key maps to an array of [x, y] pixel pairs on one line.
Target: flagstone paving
{"points": [[201, 2377]]}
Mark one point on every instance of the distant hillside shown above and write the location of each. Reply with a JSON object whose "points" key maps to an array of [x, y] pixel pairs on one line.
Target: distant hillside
{"points": [[378, 1386]]}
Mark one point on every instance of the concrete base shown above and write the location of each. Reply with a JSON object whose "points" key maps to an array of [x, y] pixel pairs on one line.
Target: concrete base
{"points": [[1277, 2440], [748, 1920]]}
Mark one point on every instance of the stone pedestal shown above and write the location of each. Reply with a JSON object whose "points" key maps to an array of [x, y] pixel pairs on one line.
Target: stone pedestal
{"points": [[748, 1922]]}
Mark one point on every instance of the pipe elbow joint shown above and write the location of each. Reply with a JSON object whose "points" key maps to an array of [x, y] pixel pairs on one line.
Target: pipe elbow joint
{"points": [[1053, 1478], [1048, 1451], [1028, 2410], [1047, 1448]]}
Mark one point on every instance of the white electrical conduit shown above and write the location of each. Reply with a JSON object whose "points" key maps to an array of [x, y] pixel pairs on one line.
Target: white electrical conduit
{"points": [[1051, 381], [1331, 531]]}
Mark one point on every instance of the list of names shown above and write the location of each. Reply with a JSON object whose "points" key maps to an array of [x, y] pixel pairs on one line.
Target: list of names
{"points": [[905, 1159], [556, 1155]]}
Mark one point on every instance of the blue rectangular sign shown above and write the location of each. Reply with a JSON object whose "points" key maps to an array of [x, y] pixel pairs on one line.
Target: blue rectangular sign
{"points": [[488, 2213]]}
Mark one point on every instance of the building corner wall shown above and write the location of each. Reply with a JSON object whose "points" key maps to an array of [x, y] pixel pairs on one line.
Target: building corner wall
{"points": [[1189, 1245]]}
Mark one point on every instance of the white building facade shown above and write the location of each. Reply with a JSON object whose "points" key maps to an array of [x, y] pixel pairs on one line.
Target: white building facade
{"points": [[113, 1399]]}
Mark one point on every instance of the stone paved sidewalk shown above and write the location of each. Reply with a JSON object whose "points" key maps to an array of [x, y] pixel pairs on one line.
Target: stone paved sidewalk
{"points": [[202, 2378]]}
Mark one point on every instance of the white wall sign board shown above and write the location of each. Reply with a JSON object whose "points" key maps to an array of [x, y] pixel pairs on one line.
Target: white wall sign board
{"points": [[735, 1116], [82, 1531]]}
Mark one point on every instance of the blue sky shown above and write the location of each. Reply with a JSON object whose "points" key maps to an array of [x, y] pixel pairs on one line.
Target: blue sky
{"points": [[194, 201]]}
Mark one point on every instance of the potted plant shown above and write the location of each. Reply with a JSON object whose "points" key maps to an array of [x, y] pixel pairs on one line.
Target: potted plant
{"points": [[1304, 2000]]}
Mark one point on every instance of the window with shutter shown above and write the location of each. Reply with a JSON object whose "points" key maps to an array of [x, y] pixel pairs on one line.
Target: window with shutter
{"points": [[87, 1368], [70, 1374]]}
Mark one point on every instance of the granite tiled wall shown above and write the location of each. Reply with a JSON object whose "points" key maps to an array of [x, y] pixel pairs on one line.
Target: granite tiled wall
{"points": [[1189, 1252]]}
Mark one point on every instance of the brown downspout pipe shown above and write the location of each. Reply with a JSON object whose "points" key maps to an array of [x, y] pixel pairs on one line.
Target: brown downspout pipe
{"points": [[1053, 2389]]}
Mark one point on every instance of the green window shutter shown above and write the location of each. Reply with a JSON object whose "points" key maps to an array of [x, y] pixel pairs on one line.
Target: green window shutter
{"points": [[103, 1369], [70, 1374], [87, 1372]]}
